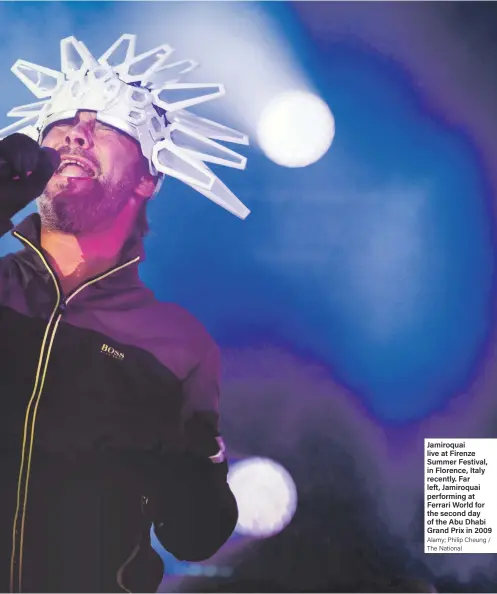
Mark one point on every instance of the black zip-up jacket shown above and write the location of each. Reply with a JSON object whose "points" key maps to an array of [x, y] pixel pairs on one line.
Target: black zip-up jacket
{"points": [[109, 424]]}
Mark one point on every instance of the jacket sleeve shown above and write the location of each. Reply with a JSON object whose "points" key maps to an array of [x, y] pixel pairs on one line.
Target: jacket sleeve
{"points": [[195, 511]]}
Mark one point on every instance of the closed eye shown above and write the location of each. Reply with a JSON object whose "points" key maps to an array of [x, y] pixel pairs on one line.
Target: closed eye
{"points": [[60, 124], [105, 128]]}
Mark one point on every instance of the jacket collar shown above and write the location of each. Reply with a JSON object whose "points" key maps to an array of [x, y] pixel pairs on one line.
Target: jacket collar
{"points": [[30, 228]]}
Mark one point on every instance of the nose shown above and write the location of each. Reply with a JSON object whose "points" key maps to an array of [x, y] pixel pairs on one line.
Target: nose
{"points": [[80, 135]]}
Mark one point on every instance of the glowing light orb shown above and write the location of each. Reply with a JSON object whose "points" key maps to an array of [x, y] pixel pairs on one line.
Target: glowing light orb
{"points": [[266, 496], [296, 129]]}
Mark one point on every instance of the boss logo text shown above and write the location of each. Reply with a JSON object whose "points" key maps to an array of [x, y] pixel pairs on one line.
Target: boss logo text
{"points": [[111, 352]]}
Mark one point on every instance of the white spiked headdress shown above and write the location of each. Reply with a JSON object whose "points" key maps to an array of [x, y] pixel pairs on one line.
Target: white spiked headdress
{"points": [[132, 93]]}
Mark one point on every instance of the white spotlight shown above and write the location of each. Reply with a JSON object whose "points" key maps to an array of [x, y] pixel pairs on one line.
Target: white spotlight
{"points": [[266, 497], [296, 129]]}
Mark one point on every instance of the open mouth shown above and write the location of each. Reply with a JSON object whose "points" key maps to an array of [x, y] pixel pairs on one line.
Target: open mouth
{"points": [[76, 168]]}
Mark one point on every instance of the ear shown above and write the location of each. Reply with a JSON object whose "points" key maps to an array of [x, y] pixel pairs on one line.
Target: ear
{"points": [[146, 186]]}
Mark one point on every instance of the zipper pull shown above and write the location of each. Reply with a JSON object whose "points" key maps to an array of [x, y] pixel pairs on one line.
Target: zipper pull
{"points": [[62, 307]]}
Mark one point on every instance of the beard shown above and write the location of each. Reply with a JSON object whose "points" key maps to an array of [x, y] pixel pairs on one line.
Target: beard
{"points": [[93, 206]]}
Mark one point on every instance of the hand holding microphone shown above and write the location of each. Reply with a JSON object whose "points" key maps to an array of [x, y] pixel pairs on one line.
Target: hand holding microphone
{"points": [[25, 169]]}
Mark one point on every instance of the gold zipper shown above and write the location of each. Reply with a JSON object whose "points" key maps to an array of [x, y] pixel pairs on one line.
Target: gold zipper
{"points": [[29, 426], [122, 569]]}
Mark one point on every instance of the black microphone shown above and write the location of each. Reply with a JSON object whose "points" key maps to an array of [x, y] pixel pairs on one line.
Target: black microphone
{"points": [[6, 173]]}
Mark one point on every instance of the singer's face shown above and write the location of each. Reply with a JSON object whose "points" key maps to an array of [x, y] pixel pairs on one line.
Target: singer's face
{"points": [[99, 171]]}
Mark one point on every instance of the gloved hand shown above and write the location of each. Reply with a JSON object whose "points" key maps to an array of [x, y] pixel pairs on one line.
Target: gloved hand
{"points": [[202, 438], [25, 169]]}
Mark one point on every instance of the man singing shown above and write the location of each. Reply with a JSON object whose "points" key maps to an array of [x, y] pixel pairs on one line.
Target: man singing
{"points": [[109, 421]]}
